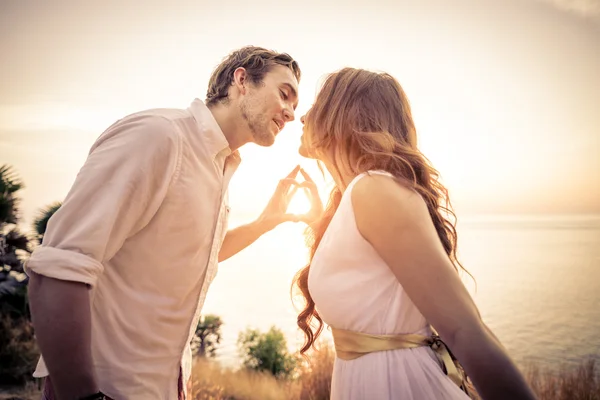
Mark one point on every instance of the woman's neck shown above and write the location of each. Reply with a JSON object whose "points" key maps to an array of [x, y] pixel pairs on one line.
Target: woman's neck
{"points": [[341, 175]]}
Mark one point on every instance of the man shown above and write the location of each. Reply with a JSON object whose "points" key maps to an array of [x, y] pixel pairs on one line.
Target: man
{"points": [[117, 286]]}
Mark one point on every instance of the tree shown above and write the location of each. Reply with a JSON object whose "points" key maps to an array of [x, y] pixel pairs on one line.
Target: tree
{"points": [[10, 184], [18, 351], [266, 352], [208, 333], [14, 245], [40, 223]]}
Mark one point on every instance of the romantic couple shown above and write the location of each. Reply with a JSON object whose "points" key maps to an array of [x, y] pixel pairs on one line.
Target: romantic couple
{"points": [[117, 286]]}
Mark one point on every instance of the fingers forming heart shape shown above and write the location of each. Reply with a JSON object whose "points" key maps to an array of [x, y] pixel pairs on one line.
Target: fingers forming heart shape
{"points": [[288, 187]]}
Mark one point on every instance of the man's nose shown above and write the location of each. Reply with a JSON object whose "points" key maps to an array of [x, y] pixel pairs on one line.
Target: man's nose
{"points": [[302, 118], [288, 114]]}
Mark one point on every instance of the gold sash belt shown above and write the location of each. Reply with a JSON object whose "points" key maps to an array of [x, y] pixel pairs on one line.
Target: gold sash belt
{"points": [[350, 345]]}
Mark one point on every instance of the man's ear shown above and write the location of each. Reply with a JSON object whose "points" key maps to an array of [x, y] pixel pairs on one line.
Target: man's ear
{"points": [[240, 79]]}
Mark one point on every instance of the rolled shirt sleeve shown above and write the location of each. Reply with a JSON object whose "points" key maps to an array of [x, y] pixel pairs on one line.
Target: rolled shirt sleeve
{"points": [[118, 190]]}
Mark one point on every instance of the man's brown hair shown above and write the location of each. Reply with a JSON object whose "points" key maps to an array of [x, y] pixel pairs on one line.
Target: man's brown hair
{"points": [[257, 61]]}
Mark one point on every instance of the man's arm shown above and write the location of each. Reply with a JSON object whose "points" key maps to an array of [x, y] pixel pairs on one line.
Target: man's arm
{"points": [[243, 236], [274, 214], [116, 193], [60, 312]]}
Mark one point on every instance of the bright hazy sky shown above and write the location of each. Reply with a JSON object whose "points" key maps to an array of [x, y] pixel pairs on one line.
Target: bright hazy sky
{"points": [[505, 93]]}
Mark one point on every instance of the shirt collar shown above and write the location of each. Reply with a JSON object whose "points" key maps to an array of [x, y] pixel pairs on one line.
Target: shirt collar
{"points": [[216, 141]]}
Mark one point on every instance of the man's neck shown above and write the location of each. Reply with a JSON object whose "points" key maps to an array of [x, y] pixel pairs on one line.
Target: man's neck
{"points": [[236, 137]]}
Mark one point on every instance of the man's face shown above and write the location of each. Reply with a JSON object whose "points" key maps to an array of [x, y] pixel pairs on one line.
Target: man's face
{"points": [[268, 106]]}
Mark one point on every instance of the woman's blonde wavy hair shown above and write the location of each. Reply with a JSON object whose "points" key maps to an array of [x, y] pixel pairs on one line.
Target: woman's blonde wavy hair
{"points": [[363, 120]]}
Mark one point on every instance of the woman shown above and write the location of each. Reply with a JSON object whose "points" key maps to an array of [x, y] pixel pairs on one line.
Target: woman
{"points": [[383, 266]]}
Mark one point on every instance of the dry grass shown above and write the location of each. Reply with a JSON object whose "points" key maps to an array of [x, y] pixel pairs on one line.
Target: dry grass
{"points": [[576, 383], [213, 382], [312, 382], [315, 378], [29, 392], [18, 350]]}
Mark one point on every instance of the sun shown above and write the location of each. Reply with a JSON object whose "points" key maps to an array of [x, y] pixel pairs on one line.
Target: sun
{"points": [[299, 204]]}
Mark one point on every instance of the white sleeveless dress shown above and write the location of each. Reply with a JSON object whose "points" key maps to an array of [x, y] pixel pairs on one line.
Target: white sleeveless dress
{"points": [[354, 289]]}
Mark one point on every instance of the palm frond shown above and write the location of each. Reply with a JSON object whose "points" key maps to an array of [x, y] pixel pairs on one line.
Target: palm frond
{"points": [[15, 240], [10, 183], [40, 223], [9, 180]]}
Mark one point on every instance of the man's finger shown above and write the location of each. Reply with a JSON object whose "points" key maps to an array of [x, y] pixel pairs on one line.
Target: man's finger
{"points": [[290, 194], [286, 183], [292, 217], [294, 172], [308, 185]]}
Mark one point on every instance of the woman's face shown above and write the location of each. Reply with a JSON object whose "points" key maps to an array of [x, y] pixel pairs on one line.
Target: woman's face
{"points": [[303, 150]]}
